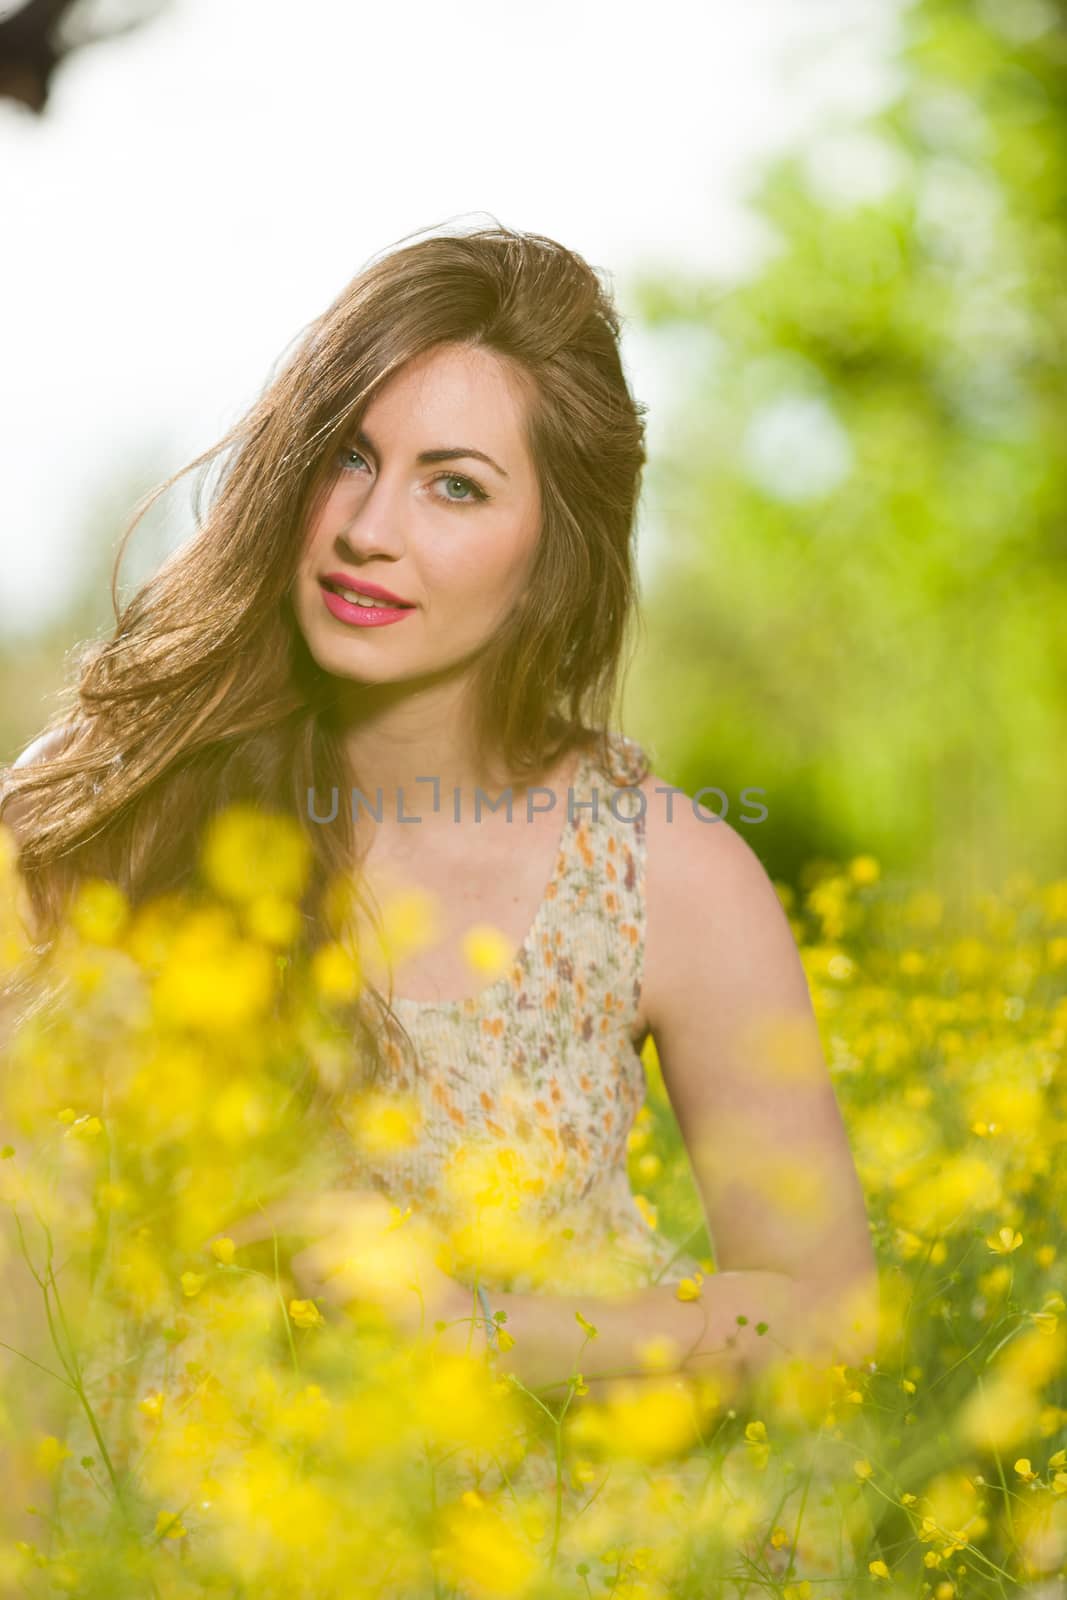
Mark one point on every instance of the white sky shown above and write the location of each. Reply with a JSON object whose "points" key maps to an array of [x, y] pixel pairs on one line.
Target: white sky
{"points": [[197, 191]]}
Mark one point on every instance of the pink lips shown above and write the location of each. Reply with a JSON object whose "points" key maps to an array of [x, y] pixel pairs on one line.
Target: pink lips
{"points": [[341, 580], [362, 616]]}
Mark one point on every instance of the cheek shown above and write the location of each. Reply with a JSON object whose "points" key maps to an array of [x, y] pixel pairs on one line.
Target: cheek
{"points": [[321, 518], [487, 572]]}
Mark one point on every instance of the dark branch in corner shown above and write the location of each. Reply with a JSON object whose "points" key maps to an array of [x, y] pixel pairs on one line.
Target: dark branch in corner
{"points": [[39, 35]]}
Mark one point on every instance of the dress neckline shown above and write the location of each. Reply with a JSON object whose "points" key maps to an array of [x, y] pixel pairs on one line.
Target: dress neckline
{"points": [[486, 996]]}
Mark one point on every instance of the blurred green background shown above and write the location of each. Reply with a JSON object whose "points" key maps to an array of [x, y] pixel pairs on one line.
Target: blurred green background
{"points": [[859, 602], [862, 606]]}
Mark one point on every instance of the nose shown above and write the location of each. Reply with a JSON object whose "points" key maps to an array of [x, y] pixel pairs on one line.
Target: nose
{"points": [[376, 527]]}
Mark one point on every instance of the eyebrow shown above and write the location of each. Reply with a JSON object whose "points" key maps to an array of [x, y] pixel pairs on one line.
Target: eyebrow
{"points": [[428, 457]]}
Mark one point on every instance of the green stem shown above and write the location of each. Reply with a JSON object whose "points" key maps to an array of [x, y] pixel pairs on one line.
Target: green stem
{"points": [[67, 1358], [22, 1354], [285, 1309]]}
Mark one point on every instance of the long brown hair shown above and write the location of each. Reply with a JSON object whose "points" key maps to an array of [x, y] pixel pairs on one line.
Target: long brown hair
{"points": [[206, 693]]}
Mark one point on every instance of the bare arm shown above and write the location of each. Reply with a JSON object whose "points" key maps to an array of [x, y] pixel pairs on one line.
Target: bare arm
{"points": [[730, 1011]]}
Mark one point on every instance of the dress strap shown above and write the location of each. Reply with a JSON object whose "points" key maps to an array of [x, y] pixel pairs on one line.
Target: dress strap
{"points": [[596, 912]]}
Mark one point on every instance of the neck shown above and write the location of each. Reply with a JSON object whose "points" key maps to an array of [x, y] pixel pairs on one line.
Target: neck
{"points": [[419, 740]]}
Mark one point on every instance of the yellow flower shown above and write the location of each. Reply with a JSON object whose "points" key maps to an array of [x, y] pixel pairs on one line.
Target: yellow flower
{"points": [[862, 1469], [1004, 1241], [486, 950], [1000, 1414], [85, 1127], [272, 920], [877, 1569], [690, 1288], [950, 1191], [756, 1432], [660, 1354], [335, 972], [222, 1250], [238, 1112], [50, 1453], [305, 1313], [482, 1553], [411, 920], [247, 852], [864, 869], [210, 979], [192, 1283], [1024, 1469], [382, 1123], [114, 1196], [169, 1525], [99, 911], [646, 1420], [152, 1403]]}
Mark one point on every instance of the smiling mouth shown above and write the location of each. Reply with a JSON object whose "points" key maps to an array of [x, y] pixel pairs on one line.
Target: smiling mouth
{"points": [[367, 601]]}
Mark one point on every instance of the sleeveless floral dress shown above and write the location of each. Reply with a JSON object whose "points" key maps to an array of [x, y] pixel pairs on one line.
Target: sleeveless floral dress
{"points": [[544, 1065], [534, 1083], [538, 1078]]}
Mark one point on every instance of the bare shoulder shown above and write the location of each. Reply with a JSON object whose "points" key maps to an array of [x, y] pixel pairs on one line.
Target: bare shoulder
{"points": [[738, 1044], [712, 912], [45, 747]]}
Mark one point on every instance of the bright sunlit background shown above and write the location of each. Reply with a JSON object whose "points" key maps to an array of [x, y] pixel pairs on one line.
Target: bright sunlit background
{"points": [[836, 234], [200, 188]]}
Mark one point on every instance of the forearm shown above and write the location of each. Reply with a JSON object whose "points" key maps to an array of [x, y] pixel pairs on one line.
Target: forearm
{"points": [[706, 1335]]}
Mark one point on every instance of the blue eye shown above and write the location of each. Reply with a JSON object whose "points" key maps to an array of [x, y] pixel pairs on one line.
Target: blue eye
{"points": [[475, 492], [474, 495]]}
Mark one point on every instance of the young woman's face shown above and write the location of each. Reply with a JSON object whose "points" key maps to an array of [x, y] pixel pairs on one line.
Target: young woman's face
{"points": [[454, 538]]}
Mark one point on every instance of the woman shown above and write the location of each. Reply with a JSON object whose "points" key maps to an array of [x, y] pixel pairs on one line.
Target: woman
{"points": [[455, 437]]}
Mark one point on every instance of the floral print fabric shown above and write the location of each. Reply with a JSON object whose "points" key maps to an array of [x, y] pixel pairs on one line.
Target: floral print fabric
{"points": [[530, 1088]]}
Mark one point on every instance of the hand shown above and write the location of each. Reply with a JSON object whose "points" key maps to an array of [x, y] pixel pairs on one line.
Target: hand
{"points": [[363, 1248]]}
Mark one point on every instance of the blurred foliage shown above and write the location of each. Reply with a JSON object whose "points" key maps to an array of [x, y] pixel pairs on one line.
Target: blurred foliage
{"points": [[861, 602], [34, 666], [179, 1416], [944, 1026], [186, 1420]]}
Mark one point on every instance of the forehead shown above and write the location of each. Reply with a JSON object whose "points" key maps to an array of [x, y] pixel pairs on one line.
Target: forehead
{"points": [[449, 385]]}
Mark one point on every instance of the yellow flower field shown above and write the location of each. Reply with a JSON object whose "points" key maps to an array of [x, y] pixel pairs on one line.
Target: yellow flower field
{"points": [[177, 1420]]}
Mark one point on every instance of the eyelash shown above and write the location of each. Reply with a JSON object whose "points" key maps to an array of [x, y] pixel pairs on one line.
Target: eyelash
{"points": [[479, 494]]}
